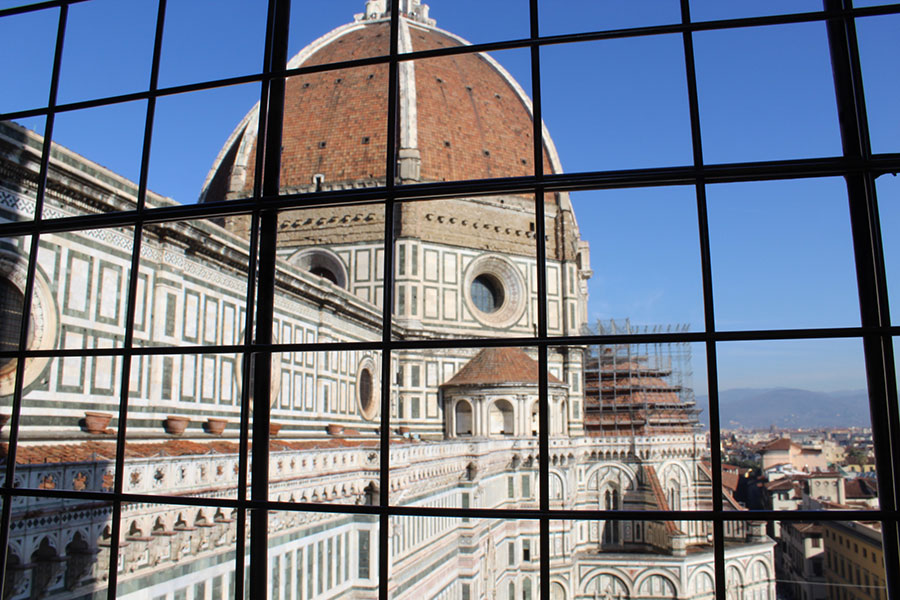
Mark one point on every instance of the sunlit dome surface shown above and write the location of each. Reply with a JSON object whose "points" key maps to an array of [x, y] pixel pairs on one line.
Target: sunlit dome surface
{"points": [[460, 117]]}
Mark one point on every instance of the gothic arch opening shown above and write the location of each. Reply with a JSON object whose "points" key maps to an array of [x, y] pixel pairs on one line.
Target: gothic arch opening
{"points": [[45, 569], [78, 560]]}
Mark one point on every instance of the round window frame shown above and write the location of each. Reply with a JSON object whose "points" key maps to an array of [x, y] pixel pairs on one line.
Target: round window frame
{"points": [[43, 322], [367, 363], [512, 284]]}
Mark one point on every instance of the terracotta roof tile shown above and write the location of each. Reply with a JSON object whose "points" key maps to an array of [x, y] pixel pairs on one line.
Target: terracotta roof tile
{"points": [[730, 480], [781, 444], [857, 488], [498, 366], [106, 451], [659, 497]]}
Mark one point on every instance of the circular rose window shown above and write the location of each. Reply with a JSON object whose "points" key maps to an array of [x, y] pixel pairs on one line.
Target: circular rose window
{"points": [[494, 291]]}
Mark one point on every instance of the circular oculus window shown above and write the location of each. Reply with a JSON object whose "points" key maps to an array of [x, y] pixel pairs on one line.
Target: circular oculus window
{"points": [[487, 293], [43, 323], [367, 388], [495, 291], [11, 302]]}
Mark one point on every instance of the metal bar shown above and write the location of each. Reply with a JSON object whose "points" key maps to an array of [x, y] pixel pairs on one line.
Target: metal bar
{"points": [[32, 257], [485, 513], [660, 338], [538, 197], [601, 180], [587, 36], [869, 256], [709, 313], [246, 382], [34, 248], [270, 143], [125, 379], [387, 358], [26, 8]]}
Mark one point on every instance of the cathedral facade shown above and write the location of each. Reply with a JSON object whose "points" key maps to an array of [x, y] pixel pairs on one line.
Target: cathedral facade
{"points": [[464, 421]]}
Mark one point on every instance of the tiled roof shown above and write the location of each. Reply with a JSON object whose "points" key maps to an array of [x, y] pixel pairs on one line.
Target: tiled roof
{"points": [[106, 451], [731, 502], [857, 488], [469, 121], [786, 483], [498, 366], [781, 444], [730, 480], [659, 497], [810, 528]]}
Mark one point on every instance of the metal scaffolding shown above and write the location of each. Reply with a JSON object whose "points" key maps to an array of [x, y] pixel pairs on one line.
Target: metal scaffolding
{"points": [[640, 388]]}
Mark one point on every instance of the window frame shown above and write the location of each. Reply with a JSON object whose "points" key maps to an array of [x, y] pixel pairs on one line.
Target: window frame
{"points": [[857, 165]]}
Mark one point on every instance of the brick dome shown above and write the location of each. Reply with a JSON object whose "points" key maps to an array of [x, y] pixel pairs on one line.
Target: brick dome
{"points": [[460, 117]]}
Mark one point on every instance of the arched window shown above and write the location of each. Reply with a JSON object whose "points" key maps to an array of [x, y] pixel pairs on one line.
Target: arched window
{"points": [[611, 528], [501, 418], [556, 487], [673, 495], [563, 418], [734, 584], [463, 418], [557, 591], [322, 263], [609, 586]]}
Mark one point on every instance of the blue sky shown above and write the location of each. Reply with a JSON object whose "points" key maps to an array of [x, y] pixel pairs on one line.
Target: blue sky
{"points": [[781, 250]]}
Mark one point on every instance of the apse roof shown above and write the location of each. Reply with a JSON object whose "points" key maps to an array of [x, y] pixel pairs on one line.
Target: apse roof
{"points": [[499, 366]]}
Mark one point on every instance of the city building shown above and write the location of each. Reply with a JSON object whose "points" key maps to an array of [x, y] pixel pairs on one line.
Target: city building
{"points": [[785, 451], [801, 560], [854, 560]]}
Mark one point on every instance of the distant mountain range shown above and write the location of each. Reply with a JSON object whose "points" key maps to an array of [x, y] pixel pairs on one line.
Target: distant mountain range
{"points": [[759, 408]]}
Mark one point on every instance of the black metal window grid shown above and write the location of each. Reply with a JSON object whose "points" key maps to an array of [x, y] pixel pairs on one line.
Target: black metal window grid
{"points": [[857, 165]]}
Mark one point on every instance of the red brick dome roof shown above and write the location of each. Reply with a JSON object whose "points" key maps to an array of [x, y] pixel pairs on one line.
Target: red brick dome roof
{"points": [[460, 117]]}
